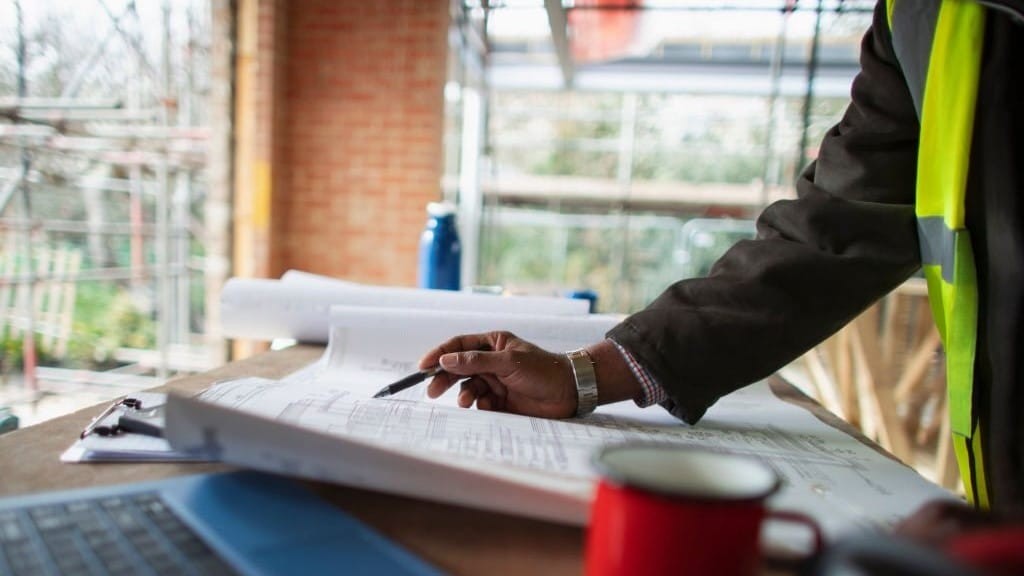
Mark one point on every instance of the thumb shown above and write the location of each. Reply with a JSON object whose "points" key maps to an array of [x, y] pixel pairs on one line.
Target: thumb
{"points": [[474, 362]]}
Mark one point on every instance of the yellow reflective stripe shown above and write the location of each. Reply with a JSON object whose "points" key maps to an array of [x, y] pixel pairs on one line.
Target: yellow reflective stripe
{"points": [[890, 8], [982, 498], [961, 322], [962, 450], [947, 113], [969, 456]]}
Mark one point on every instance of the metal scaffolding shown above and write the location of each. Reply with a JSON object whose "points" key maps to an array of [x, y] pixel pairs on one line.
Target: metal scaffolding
{"points": [[107, 189]]}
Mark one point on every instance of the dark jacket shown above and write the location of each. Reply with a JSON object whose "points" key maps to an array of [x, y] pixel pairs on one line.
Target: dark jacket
{"points": [[848, 239]]}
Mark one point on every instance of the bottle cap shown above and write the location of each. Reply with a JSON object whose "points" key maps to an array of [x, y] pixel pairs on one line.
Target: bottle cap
{"points": [[440, 208]]}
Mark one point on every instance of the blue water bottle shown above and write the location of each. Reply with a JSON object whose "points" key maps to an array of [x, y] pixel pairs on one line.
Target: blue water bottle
{"points": [[440, 250]]}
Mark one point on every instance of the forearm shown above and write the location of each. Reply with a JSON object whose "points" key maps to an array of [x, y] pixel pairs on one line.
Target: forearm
{"points": [[818, 261], [768, 301]]}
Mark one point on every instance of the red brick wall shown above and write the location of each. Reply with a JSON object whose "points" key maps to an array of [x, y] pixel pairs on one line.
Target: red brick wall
{"points": [[358, 135]]}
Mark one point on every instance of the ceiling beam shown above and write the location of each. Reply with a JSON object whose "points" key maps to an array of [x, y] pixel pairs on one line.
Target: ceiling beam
{"points": [[558, 21]]}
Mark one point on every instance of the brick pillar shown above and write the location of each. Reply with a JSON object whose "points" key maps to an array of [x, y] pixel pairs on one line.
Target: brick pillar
{"points": [[362, 143], [339, 135], [339, 117]]}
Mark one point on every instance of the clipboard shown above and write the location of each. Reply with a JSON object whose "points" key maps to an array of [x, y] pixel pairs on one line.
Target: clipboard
{"points": [[127, 431], [141, 413]]}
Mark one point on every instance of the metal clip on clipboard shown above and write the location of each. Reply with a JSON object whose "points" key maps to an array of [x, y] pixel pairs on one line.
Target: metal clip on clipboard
{"points": [[132, 417]]}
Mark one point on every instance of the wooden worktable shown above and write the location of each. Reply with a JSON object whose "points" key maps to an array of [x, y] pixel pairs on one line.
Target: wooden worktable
{"points": [[456, 539]]}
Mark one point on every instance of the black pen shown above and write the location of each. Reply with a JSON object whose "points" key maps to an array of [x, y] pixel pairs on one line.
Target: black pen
{"points": [[407, 382]]}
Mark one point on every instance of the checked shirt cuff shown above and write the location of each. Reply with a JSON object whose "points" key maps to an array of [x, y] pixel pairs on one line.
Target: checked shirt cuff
{"points": [[651, 392]]}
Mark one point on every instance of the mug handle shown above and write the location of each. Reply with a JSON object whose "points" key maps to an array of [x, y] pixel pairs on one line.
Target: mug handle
{"points": [[800, 518]]}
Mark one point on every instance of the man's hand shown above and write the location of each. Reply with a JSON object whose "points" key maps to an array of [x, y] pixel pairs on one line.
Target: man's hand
{"points": [[504, 373]]}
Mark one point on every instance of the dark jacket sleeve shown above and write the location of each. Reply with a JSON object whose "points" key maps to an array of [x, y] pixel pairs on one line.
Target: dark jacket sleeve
{"points": [[818, 261]]}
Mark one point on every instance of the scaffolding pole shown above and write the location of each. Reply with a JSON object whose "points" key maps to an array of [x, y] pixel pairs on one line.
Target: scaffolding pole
{"points": [[163, 337], [28, 339], [812, 70]]}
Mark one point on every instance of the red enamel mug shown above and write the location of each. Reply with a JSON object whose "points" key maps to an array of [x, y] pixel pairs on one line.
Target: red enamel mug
{"points": [[663, 509]]}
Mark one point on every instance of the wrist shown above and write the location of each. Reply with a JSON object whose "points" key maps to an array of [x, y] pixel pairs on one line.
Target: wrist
{"points": [[616, 381]]}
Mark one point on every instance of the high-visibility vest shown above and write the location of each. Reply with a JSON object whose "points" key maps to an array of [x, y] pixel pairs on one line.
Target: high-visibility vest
{"points": [[943, 81]]}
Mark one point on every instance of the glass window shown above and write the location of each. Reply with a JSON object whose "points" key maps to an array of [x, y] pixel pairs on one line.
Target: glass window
{"points": [[590, 186]]}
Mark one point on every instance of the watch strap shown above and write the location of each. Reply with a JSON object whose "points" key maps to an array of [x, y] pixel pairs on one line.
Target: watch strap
{"points": [[586, 381]]}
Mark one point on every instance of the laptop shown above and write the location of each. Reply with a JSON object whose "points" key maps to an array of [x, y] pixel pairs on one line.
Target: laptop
{"points": [[231, 523]]}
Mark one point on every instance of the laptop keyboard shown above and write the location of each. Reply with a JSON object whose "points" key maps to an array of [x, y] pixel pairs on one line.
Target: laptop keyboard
{"points": [[131, 534]]}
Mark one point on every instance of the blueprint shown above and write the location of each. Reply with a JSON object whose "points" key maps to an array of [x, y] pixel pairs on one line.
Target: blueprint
{"points": [[298, 305], [518, 464]]}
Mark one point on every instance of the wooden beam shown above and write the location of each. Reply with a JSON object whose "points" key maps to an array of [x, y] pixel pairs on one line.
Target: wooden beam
{"points": [[825, 387]]}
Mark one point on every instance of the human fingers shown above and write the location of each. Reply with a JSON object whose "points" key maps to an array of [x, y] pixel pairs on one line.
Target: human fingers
{"points": [[494, 399], [472, 389], [489, 353], [469, 355], [444, 380], [440, 383], [462, 342]]}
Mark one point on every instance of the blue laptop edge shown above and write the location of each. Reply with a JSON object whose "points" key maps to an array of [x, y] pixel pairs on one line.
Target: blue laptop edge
{"points": [[262, 524]]}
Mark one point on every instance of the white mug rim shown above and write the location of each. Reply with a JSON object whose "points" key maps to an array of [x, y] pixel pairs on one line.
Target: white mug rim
{"points": [[609, 472]]}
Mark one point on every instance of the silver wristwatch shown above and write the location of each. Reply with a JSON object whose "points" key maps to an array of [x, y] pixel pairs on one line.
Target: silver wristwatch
{"points": [[586, 381]]}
